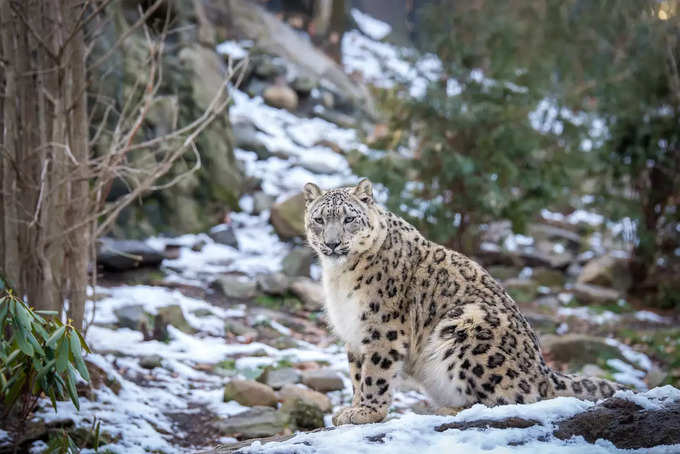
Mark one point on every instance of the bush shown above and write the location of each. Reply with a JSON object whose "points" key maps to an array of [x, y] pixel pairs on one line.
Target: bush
{"points": [[39, 355]]}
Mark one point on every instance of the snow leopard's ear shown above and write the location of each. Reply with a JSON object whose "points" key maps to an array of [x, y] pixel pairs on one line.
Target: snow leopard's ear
{"points": [[364, 191], [312, 192]]}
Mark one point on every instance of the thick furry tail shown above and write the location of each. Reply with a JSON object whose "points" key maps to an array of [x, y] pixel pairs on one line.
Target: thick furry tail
{"points": [[588, 388]]}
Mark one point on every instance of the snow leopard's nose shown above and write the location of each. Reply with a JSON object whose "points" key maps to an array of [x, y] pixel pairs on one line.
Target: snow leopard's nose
{"points": [[332, 245]]}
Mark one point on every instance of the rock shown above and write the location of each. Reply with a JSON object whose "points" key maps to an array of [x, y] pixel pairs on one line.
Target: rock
{"points": [[541, 322], [512, 422], [268, 66], [545, 259], [283, 343], [310, 293], [593, 370], [173, 315], [250, 393], [246, 138], [236, 328], [503, 272], [555, 234], [121, 255], [577, 350], [131, 316], [333, 116], [318, 165], [281, 96], [270, 34], [595, 294], [262, 202], [304, 85], [323, 380], [253, 423], [150, 361], [548, 277], [298, 261], [606, 271], [163, 114], [224, 234], [303, 415], [625, 424], [277, 378], [309, 396], [273, 283], [287, 217], [235, 287]]}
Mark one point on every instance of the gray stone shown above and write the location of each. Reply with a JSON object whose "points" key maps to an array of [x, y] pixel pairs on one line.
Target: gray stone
{"points": [[235, 287], [323, 380], [595, 294], [277, 378], [250, 393], [298, 261], [224, 234], [577, 350], [287, 217], [246, 138], [268, 66], [254, 423], [131, 316], [281, 97], [150, 361], [309, 396], [256, 87], [275, 37], [262, 202], [333, 116], [304, 84], [237, 328], [548, 277], [606, 271], [310, 293], [303, 415], [121, 255], [273, 283], [173, 315]]}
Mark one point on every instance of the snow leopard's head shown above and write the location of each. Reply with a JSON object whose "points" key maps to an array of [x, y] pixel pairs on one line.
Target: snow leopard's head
{"points": [[341, 222]]}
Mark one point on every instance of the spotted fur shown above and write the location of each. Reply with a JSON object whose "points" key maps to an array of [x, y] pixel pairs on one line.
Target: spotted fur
{"points": [[405, 305]]}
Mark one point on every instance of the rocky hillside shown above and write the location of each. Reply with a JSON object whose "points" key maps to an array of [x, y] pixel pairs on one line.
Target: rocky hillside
{"points": [[217, 338]]}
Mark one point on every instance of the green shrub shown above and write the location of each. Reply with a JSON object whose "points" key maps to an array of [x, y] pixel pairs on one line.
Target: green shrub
{"points": [[39, 355]]}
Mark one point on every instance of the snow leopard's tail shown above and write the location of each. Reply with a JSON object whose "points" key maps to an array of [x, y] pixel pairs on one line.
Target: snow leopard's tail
{"points": [[588, 388]]}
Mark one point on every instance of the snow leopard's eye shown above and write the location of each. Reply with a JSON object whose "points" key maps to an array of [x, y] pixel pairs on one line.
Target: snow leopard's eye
{"points": [[349, 219], [318, 221]]}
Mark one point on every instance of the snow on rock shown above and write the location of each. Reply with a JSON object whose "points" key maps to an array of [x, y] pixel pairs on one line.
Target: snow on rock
{"points": [[371, 26], [424, 434]]}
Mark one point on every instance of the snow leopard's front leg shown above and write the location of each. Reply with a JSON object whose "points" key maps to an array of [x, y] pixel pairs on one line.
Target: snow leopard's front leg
{"points": [[377, 365]]}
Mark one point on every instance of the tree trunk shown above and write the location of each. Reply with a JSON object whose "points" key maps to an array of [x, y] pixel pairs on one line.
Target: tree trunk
{"points": [[44, 200]]}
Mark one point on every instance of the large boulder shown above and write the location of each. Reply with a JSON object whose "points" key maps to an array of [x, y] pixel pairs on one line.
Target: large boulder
{"points": [[272, 36], [132, 316], [594, 294], [287, 217], [273, 283], [277, 378], [224, 234], [122, 255], [250, 393], [606, 271]]}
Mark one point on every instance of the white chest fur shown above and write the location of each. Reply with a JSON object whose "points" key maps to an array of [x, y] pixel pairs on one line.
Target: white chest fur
{"points": [[343, 306]]}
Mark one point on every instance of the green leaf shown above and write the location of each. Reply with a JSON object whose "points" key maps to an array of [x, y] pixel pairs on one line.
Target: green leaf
{"points": [[22, 342], [83, 344], [55, 335], [41, 331], [54, 313], [71, 386], [4, 308], [13, 393], [62, 355], [77, 356], [45, 369]]}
